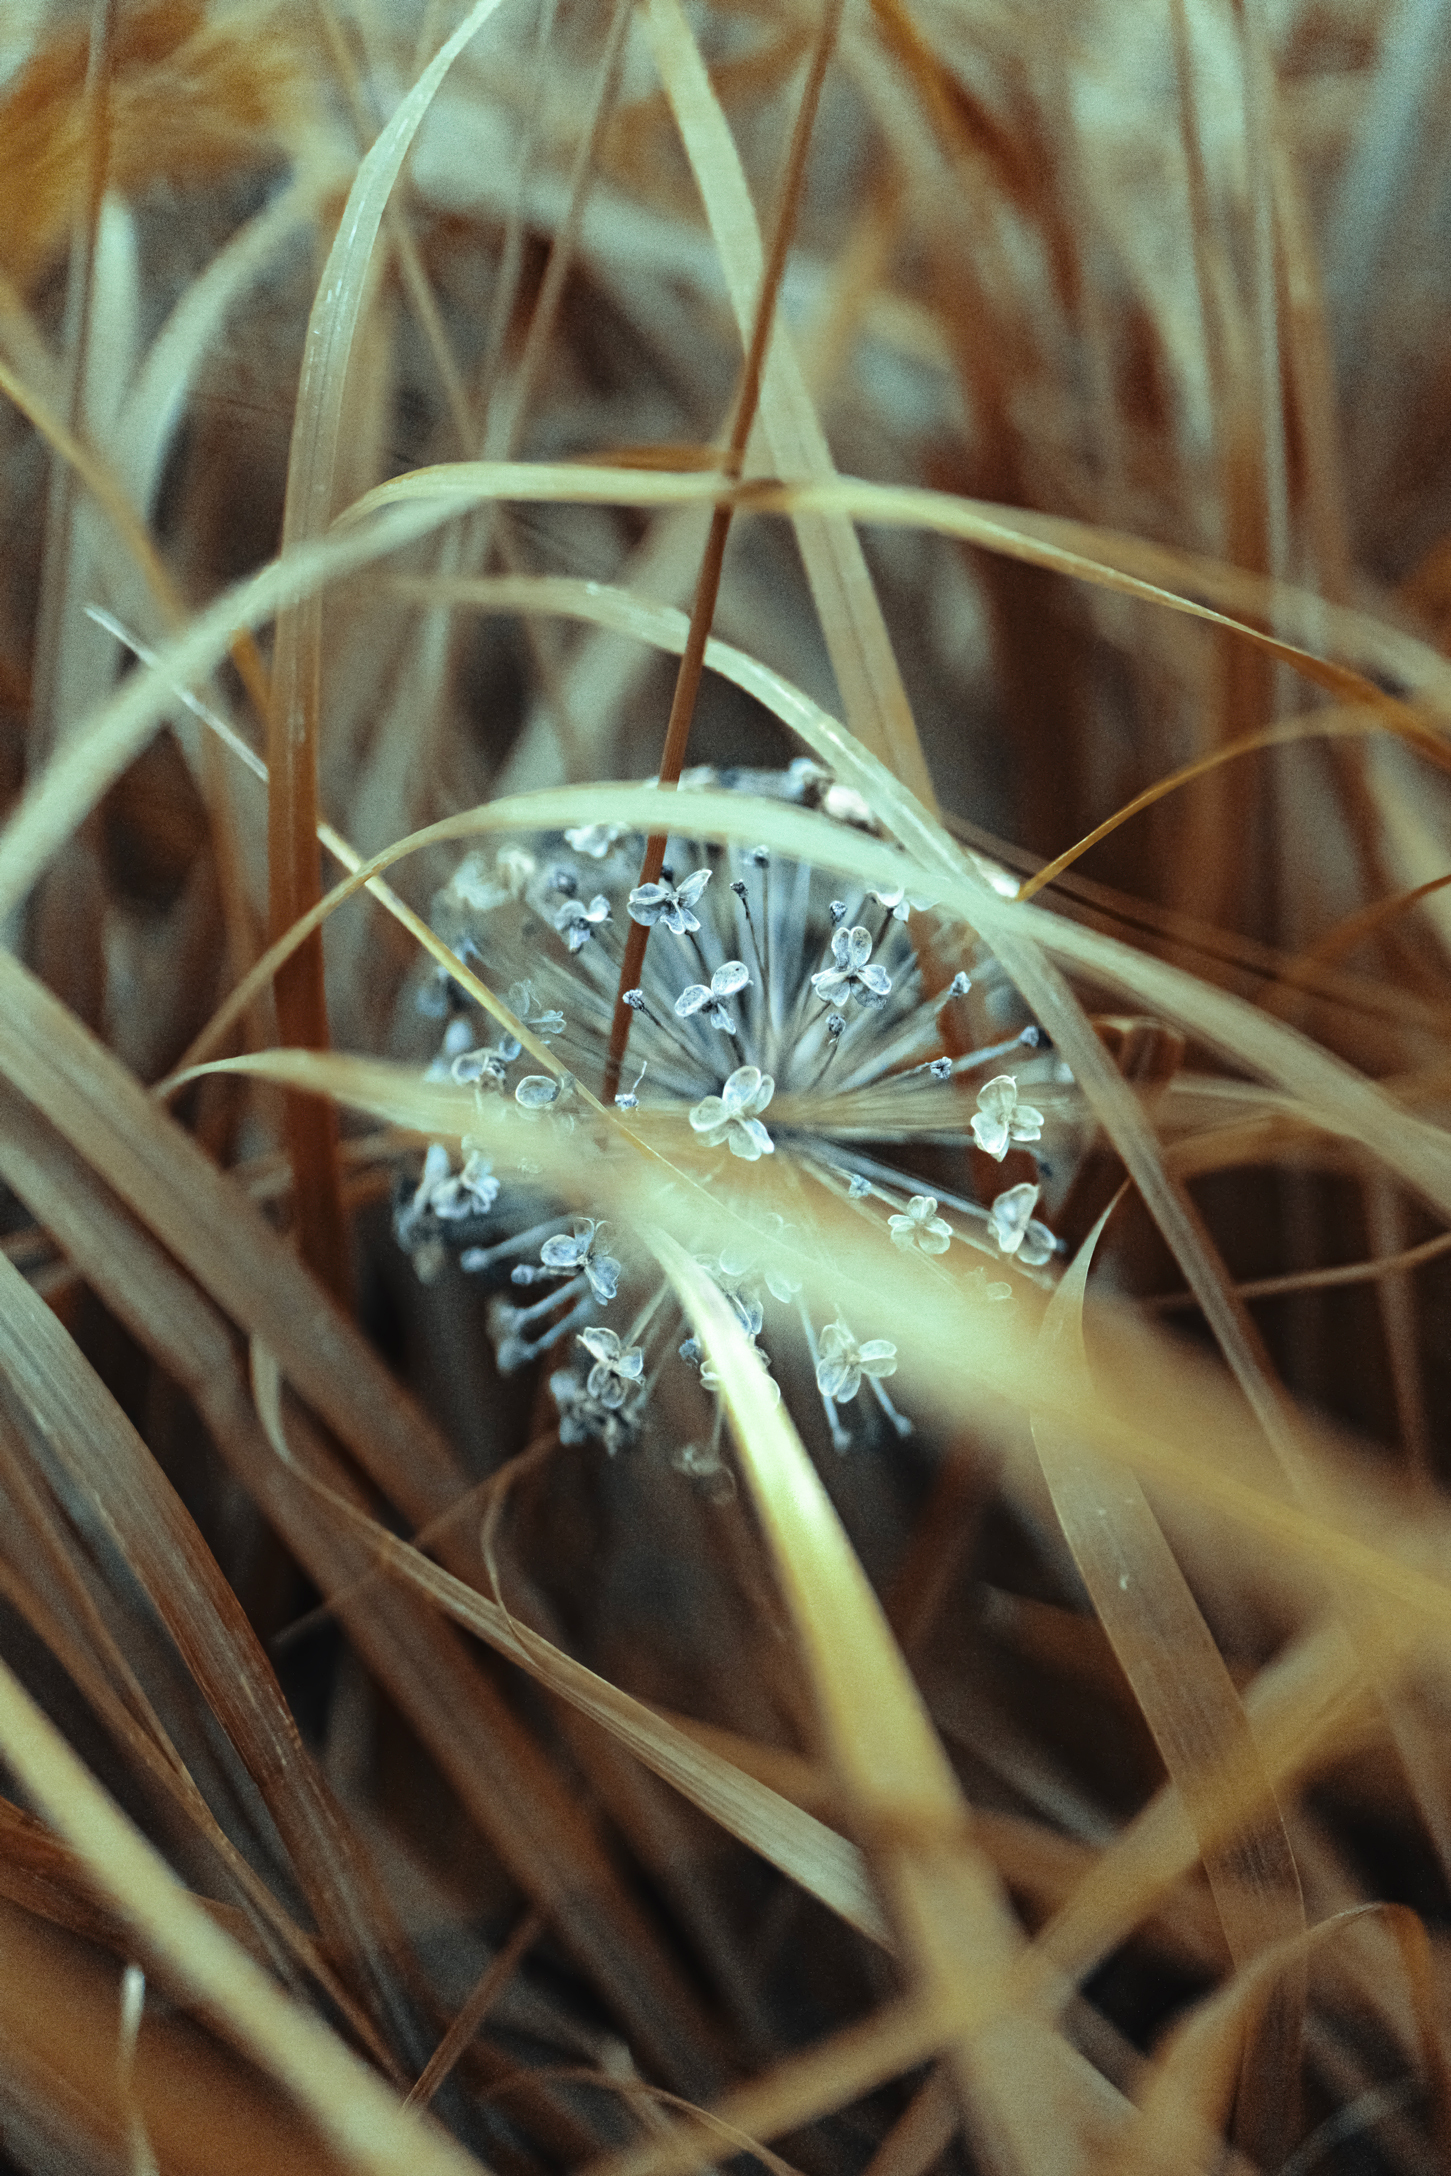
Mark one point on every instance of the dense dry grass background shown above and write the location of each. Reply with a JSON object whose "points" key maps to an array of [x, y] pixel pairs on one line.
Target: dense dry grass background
{"points": [[1067, 1788]]}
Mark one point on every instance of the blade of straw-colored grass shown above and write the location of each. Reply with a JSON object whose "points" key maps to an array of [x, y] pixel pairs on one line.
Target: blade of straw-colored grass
{"points": [[490, 1985], [203, 2108], [794, 2092], [1192, 2079], [1320, 725], [105, 1462], [54, 803], [255, 981], [1188, 1699], [501, 1779], [921, 2134], [216, 1232], [145, 1744], [294, 720], [851, 618], [803, 1848], [1103, 557], [1340, 1099], [354, 2112], [958, 1939], [1329, 1537]]}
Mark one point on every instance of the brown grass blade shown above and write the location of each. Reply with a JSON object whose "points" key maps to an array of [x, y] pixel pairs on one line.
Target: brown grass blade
{"points": [[957, 1936], [1180, 1681], [98, 1455], [538, 1828], [352, 2109]]}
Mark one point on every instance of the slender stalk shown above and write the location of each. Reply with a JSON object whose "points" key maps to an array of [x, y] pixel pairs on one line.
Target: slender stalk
{"points": [[707, 587]]}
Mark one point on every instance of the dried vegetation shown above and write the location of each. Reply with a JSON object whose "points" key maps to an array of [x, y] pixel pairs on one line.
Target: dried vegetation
{"points": [[1047, 431]]}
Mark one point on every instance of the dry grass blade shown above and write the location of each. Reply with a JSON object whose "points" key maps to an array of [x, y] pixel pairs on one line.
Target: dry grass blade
{"points": [[1184, 1689], [501, 1775], [293, 722], [1341, 1100], [897, 1787], [353, 2111], [215, 1231], [803, 1848], [98, 1456], [1191, 2082]]}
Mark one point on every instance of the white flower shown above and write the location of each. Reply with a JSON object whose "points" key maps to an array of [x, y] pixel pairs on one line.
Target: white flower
{"points": [[1016, 1229], [536, 1091], [841, 1362], [473, 887], [577, 922], [851, 976], [898, 904], [669, 903], [1001, 1119], [521, 1004], [594, 839], [449, 1194], [572, 1253], [731, 1117], [725, 982], [921, 1226], [617, 1368]]}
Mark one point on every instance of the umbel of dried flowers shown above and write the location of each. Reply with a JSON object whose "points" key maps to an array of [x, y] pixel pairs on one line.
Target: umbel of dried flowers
{"points": [[773, 1018]]}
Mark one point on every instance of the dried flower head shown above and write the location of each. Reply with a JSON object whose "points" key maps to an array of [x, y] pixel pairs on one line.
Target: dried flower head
{"points": [[772, 1023]]}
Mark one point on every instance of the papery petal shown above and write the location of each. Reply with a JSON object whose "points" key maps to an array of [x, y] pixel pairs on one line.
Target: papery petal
{"points": [[999, 1095], [876, 980], [709, 1114], [1037, 1245], [602, 1343], [740, 1091], [749, 1140], [858, 946], [733, 975], [605, 1385], [837, 1380], [631, 1364], [691, 1000], [877, 1357], [991, 1135], [603, 1273], [688, 892]]}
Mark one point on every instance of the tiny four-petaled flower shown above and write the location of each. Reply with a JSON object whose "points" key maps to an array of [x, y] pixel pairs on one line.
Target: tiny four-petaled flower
{"points": [[841, 1362], [1001, 1119], [731, 1119], [577, 923], [594, 839], [851, 949], [571, 1253], [921, 1226], [1016, 1229], [724, 983], [669, 903], [617, 1368], [898, 905]]}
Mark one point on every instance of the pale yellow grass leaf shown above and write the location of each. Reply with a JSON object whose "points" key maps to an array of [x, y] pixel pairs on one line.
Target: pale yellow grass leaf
{"points": [[352, 2109]]}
